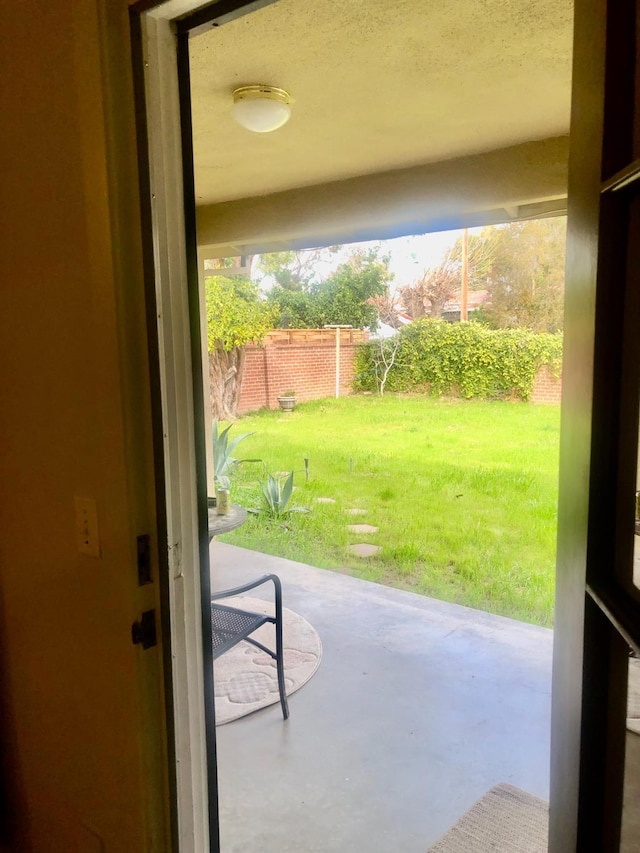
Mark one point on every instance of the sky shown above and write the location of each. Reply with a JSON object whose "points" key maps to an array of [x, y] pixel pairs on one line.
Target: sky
{"points": [[410, 256]]}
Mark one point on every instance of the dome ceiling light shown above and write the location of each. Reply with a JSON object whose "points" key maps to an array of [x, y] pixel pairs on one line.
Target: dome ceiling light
{"points": [[261, 108]]}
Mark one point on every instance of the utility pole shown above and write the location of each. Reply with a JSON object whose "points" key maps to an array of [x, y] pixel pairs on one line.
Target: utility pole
{"points": [[464, 292], [337, 328]]}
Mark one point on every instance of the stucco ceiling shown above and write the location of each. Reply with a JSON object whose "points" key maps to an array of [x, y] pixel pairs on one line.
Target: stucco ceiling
{"points": [[378, 85]]}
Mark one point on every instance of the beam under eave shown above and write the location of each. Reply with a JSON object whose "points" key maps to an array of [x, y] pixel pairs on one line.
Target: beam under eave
{"points": [[521, 182]]}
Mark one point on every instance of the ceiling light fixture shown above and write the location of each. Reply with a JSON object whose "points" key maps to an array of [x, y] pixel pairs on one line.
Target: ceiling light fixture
{"points": [[261, 108]]}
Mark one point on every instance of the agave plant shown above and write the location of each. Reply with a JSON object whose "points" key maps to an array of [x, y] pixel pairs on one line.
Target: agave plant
{"points": [[276, 494], [224, 464]]}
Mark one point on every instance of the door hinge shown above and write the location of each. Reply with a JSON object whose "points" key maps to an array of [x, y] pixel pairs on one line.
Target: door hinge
{"points": [[144, 559], [144, 631]]}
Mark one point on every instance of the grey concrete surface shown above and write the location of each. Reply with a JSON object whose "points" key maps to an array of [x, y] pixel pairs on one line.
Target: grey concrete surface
{"points": [[417, 709], [630, 840]]}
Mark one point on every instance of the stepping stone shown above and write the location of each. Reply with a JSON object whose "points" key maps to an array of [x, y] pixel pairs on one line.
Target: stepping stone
{"points": [[363, 549], [363, 528], [325, 501], [356, 511]]}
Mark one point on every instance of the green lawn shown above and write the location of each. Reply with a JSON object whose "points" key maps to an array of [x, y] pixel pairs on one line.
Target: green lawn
{"points": [[463, 492]]}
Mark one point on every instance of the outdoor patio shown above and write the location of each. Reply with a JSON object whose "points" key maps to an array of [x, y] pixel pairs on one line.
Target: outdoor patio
{"points": [[417, 709]]}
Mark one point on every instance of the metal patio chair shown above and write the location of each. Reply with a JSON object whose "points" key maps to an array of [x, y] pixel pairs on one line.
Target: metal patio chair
{"points": [[231, 625]]}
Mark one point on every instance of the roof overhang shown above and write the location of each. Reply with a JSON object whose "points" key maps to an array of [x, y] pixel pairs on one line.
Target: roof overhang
{"points": [[407, 116], [520, 182]]}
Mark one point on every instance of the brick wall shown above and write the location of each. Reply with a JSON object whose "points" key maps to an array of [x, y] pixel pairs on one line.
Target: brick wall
{"points": [[308, 368], [546, 388], [306, 363]]}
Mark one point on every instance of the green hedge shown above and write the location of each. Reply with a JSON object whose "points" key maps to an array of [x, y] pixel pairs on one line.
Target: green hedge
{"points": [[464, 359]]}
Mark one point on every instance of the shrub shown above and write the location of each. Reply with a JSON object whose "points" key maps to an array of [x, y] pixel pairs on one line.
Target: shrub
{"points": [[465, 359], [224, 464], [276, 494]]}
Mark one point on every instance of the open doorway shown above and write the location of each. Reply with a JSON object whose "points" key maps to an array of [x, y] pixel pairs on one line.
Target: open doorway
{"points": [[378, 671], [240, 181]]}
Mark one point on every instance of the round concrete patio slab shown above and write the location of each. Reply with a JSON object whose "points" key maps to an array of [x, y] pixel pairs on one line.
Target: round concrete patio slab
{"points": [[325, 500], [355, 511]]}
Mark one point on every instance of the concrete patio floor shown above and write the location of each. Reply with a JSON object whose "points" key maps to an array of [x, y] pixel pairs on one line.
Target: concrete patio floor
{"points": [[418, 708]]}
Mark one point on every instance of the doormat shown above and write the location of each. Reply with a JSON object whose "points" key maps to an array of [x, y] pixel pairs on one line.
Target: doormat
{"points": [[245, 678], [505, 820]]}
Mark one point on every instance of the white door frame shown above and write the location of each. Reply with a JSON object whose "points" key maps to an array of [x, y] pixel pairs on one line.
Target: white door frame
{"points": [[186, 457], [179, 422], [162, 104]]}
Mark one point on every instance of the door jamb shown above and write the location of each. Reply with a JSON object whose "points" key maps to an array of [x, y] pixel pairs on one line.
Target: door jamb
{"points": [[163, 198], [160, 33]]}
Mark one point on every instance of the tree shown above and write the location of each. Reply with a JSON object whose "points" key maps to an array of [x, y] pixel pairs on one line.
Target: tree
{"points": [[292, 309], [383, 357], [345, 296], [431, 292], [387, 309], [295, 271], [235, 317], [342, 298], [522, 267], [480, 256]]}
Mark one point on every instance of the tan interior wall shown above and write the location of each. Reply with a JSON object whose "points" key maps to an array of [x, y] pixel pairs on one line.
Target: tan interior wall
{"points": [[81, 767]]}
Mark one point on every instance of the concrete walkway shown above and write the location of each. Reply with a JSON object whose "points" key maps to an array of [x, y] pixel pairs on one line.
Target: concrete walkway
{"points": [[418, 708]]}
